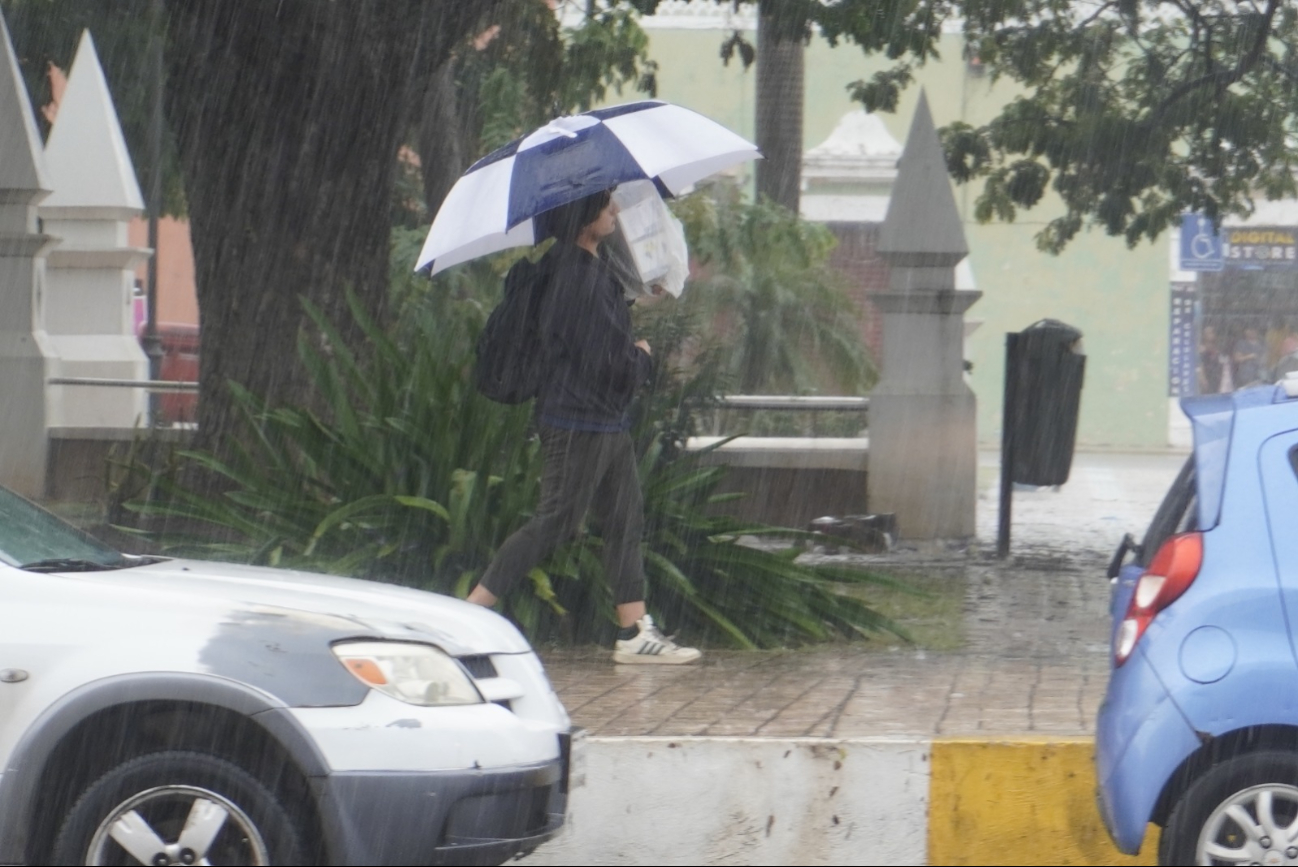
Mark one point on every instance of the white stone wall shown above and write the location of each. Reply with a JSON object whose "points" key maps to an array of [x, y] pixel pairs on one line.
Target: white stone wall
{"points": [[747, 801]]}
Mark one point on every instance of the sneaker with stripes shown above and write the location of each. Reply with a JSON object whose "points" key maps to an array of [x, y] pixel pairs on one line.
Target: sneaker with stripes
{"points": [[651, 647]]}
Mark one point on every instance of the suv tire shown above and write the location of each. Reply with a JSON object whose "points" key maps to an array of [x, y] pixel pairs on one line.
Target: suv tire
{"points": [[178, 808]]}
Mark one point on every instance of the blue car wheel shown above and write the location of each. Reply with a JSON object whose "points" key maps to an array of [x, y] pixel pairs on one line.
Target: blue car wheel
{"points": [[1243, 811]]}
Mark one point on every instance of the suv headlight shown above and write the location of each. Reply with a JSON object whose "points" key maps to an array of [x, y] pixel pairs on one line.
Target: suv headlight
{"points": [[414, 673]]}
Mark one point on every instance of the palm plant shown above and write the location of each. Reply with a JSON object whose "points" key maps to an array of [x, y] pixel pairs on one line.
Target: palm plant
{"points": [[764, 281]]}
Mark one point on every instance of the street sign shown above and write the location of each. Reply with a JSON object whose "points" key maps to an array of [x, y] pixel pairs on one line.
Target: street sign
{"points": [[1200, 244]]}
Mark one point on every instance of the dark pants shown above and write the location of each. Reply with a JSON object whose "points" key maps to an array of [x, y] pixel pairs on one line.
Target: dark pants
{"points": [[583, 471]]}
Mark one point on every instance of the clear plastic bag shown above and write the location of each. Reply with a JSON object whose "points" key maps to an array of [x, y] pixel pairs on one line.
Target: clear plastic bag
{"points": [[649, 249]]}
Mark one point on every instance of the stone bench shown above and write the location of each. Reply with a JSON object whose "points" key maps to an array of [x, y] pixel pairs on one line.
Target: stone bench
{"points": [[789, 481]]}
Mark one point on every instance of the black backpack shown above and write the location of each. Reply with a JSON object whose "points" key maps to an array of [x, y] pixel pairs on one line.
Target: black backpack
{"points": [[509, 365]]}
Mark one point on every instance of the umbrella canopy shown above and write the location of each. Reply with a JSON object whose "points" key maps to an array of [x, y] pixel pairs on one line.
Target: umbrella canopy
{"points": [[491, 206]]}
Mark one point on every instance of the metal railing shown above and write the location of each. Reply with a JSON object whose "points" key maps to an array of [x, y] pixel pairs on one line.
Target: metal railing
{"points": [[794, 403], [149, 384], [791, 403], [725, 404], [805, 415]]}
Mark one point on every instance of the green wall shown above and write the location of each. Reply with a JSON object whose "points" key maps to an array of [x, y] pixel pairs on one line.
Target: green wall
{"points": [[1117, 297]]}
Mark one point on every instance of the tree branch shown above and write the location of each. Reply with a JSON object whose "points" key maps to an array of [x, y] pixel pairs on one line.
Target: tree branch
{"points": [[1202, 31], [1104, 7], [1221, 79], [1279, 67]]}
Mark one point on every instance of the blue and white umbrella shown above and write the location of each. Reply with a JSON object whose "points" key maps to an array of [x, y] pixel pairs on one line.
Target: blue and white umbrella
{"points": [[491, 206]]}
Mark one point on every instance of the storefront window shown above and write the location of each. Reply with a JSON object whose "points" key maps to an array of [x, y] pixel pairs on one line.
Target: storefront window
{"points": [[1245, 315]]}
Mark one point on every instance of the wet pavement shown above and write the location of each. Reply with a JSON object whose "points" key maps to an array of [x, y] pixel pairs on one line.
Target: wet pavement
{"points": [[1034, 660]]}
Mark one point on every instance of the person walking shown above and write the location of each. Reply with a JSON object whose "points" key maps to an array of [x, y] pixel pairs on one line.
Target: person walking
{"points": [[593, 367]]}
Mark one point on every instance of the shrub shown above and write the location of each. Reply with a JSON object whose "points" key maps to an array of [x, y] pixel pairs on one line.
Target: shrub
{"points": [[395, 469]]}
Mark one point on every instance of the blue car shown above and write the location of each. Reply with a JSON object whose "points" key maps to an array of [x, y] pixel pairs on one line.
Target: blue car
{"points": [[1198, 732]]}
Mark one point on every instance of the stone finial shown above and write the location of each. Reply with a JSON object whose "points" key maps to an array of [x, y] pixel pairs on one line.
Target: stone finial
{"points": [[21, 165], [922, 229], [847, 177], [90, 276], [86, 155], [859, 148]]}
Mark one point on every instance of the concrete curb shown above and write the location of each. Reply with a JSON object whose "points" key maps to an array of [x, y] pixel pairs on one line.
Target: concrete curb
{"points": [[1019, 800], [715, 800]]}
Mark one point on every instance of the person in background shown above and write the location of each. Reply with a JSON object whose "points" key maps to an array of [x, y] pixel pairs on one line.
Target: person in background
{"points": [[1247, 354], [1288, 359], [1212, 362]]}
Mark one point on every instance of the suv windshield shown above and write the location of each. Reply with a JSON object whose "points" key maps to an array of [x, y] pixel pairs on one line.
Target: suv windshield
{"points": [[1178, 513], [32, 538]]}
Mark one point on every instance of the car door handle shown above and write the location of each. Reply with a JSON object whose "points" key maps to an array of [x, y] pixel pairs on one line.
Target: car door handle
{"points": [[12, 675]]}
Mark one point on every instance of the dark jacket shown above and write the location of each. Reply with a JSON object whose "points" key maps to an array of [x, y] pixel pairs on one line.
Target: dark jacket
{"points": [[593, 366]]}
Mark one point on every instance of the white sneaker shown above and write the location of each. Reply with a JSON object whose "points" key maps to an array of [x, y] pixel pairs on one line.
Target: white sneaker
{"points": [[652, 647]]}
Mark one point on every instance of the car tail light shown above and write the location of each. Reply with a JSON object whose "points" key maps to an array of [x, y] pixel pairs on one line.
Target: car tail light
{"points": [[1171, 573]]}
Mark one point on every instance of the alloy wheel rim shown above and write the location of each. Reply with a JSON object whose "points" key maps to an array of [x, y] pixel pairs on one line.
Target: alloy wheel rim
{"points": [[177, 825], [1257, 825]]}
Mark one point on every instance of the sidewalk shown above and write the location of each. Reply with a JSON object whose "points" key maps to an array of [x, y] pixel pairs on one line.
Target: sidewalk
{"points": [[980, 755], [1036, 627]]}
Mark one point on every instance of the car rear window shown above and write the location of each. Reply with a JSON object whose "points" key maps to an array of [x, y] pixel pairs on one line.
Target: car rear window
{"points": [[1213, 418], [1178, 513]]}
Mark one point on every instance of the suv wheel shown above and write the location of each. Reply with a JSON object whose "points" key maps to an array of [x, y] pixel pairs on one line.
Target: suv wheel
{"points": [[177, 808], [1243, 811]]}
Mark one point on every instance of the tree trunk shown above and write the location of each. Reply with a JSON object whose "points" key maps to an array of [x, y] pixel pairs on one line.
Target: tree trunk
{"points": [[288, 117], [443, 151], [781, 49]]}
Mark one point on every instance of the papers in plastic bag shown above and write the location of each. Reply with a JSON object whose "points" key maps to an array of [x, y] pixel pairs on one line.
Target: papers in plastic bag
{"points": [[648, 250]]}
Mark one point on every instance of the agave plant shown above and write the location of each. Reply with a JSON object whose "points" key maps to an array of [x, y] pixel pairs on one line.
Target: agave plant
{"points": [[405, 474], [711, 577]]}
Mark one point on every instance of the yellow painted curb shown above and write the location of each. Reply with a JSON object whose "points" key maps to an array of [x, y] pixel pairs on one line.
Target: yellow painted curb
{"points": [[1019, 802]]}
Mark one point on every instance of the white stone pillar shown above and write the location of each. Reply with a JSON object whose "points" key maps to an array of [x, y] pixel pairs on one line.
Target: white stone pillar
{"points": [[90, 275], [24, 349], [923, 415]]}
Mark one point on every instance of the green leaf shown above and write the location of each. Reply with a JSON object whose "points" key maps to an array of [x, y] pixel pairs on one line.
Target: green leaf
{"points": [[426, 504], [544, 590], [724, 622]]}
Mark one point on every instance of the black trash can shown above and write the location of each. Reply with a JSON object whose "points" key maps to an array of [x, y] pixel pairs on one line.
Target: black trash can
{"points": [[1044, 366]]}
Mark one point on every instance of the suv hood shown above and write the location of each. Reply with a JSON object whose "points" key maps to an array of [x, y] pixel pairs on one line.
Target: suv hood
{"points": [[348, 607]]}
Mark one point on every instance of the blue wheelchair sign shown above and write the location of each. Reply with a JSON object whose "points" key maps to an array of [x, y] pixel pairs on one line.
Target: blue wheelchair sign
{"points": [[1200, 244]]}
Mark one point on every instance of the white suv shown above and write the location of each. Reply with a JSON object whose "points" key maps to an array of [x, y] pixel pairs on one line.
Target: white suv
{"points": [[157, 711]]}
